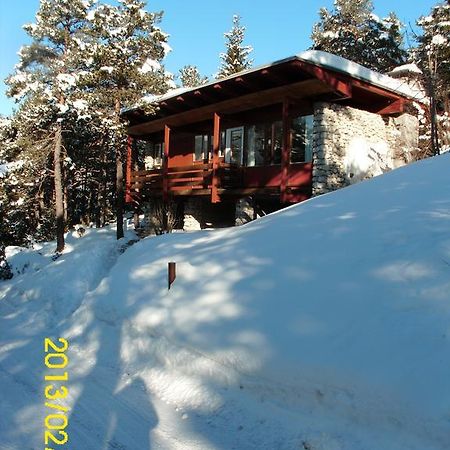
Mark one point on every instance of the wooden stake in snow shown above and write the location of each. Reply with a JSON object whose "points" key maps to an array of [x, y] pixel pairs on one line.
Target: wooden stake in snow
{"points": [[171, 272]]}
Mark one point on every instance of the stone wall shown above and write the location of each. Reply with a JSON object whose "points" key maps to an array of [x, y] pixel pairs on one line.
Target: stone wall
{"points": [[193, 214], [245, 212], [351, 145]]}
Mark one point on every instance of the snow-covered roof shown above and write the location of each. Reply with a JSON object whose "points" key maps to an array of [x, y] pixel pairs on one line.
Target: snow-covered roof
{"points": [[407, 69], [170, 94], [317, 58], [342, 65]]}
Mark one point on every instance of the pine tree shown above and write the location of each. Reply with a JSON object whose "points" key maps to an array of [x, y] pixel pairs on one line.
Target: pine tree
{"points": [[433, 57], [236, 57], [190, 77], [75, 82], [352, 31], [124, 66], [47, 75]]}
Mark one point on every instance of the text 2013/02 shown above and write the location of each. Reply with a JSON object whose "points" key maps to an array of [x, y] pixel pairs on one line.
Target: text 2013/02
{"points": [[56, 420]]}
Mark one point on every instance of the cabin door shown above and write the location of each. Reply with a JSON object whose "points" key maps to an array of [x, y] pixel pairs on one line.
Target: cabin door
{"points": [[234, 145]]}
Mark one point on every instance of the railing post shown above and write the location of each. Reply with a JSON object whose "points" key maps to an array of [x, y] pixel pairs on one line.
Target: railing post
{"points": [[128, 196], [215, 172], [165, 171], [171, 274], [286, 150]]}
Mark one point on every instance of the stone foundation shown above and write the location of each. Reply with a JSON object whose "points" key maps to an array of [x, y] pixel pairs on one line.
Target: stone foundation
{"points": [[193, 214], [351, 145], [245, 211]]}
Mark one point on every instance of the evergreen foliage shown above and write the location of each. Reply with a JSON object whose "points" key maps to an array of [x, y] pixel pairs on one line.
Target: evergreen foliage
{"points": [[433, 57], [86, 61], [236, 58], [125, 64], [352, 31], [46, 77], [190, 77]]}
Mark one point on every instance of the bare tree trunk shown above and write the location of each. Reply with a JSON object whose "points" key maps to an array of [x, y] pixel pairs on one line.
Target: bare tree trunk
{"points": [[119, 181], [432, 65], [66, 204], [136, 201], [59, 203], [102, 193], [38, 206]]}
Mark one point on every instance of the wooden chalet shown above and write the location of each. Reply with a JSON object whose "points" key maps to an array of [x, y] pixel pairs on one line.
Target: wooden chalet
{"points": [[250, 135]]}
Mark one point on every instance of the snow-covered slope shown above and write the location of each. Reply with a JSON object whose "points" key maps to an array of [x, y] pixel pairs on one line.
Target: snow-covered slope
{"points": [[325, 326]]}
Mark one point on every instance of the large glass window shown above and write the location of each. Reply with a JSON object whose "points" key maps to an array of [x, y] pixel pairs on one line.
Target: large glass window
{"points": [[302, 134], [153, 155], [203, 144], [263, 144], [255, 145], [234, 145], [277, 142]]}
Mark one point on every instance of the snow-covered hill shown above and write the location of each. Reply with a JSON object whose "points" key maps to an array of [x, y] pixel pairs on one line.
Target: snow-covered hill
{"points": [[325, 326]]}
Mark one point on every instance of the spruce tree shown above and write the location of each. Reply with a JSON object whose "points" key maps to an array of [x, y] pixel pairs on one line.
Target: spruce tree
{"points": [[190, 77], [352, 31], [236, 58], [125, 65]]}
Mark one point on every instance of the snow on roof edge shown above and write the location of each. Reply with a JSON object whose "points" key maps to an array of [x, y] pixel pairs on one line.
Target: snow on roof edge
{"points": [[318, 58], [339, 64]]}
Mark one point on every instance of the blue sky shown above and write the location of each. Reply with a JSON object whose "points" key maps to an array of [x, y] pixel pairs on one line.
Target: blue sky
{"points": [[276, 29]]}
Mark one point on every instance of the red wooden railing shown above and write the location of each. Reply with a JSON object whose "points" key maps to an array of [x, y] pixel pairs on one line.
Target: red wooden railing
{"points": [[197, 179], [196, 176]]}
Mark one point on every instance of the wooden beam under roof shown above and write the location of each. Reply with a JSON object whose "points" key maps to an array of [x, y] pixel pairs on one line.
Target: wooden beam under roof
{"points": [[222, 89], [395, 107], [339, 83], [270, 75], [172, 108], [183, 100], [206, 96], [294, 91]]}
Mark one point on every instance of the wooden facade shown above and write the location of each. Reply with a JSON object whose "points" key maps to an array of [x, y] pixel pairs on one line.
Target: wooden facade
{"points": [[270, 98]]}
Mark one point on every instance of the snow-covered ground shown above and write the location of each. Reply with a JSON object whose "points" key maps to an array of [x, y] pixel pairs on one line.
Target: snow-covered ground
{"points": [[325, 326]]}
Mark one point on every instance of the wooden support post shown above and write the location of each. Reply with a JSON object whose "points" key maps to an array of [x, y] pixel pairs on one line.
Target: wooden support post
{"points": [[285, 150], [171, 274], [215, 157], [129, 166], [165, 167], [136, 194]]}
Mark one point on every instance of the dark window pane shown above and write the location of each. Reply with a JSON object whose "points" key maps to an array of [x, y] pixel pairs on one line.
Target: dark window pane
{"points": [[302, 130], [277, 142], [198, 148], [222, 143]]}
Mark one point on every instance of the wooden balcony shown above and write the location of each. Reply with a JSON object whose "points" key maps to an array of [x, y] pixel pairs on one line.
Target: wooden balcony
{"points": [[196, 179]]}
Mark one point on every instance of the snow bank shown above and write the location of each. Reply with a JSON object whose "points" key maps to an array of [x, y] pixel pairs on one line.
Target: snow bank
{"points": [[323, 326]]}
